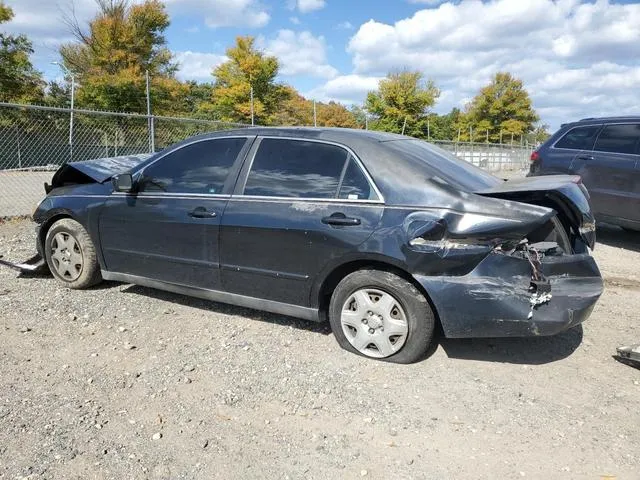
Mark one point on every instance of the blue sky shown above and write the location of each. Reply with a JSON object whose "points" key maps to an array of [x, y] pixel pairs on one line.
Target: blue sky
{"points": [[577, 58]]}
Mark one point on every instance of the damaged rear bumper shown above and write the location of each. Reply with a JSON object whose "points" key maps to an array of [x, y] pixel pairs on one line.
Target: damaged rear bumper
{"points": [[494, 300]]}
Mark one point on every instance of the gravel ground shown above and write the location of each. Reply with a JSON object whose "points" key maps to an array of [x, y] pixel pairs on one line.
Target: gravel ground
{"points": [[126, 382]]}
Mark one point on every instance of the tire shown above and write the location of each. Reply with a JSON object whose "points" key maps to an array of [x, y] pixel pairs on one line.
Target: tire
{"points": [[368, 302], [71, 256]]}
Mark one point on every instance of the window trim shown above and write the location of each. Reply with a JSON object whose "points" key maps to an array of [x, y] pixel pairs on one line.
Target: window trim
{"points": [[228, 184], [616, 153], [248, 165], [599, 125]]}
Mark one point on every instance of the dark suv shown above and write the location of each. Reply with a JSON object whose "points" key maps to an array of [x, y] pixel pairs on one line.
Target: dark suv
{"points": [[605, 152]]}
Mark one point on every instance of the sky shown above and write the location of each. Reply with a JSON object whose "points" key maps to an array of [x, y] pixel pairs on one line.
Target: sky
{"points": [[577, 58]]}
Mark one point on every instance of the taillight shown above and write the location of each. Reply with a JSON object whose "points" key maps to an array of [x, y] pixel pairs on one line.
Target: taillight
{"points": [[535, 156]]}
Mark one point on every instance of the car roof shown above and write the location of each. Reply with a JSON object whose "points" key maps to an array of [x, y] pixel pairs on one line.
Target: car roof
{"points": [[325, 133], [599, 120], [401, 176]]}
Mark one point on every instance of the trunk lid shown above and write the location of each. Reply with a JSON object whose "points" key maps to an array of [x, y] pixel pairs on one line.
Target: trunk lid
{"points": [[564, 193]]}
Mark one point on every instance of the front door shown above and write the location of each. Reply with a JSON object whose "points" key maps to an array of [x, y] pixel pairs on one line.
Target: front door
{"points": [[298, 206], [609, 172], [168, 230]]}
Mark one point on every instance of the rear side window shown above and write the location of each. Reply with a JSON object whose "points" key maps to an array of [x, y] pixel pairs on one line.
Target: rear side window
{"points": [[619, 139], [579, 138], [355, 185], [202, 167], [296, 168]]}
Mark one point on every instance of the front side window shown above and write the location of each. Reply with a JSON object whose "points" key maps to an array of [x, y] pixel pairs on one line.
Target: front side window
{"points": [[619, 139], [579, 138], [296, 168], [201, 167]]}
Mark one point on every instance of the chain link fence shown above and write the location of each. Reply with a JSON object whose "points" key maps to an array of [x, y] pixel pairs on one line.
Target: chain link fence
{"points": [[490, 156], [36, 140]]}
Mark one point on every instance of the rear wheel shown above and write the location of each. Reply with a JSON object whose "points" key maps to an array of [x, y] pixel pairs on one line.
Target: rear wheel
{"points": [[71, 255], [380, 315]]}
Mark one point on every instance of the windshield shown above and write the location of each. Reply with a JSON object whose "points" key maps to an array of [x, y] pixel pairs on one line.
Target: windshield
{"points": [[443, 166]]}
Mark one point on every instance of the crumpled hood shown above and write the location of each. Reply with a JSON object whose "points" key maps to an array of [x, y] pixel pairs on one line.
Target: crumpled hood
{"points": [[97, 170], [101, 169]]}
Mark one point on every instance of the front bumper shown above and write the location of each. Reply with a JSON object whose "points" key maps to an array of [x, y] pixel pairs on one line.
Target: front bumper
{"points": [[494, 299]]}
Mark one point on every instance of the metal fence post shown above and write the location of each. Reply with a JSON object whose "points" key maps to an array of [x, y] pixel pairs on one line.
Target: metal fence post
{"points": [[152, 139]]}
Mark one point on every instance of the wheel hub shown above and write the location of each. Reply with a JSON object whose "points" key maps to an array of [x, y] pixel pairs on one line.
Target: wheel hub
{"points": [[66, 256], [374, 322]]}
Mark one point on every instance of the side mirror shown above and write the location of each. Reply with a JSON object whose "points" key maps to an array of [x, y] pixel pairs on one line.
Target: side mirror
{"points": [[122, 182]]}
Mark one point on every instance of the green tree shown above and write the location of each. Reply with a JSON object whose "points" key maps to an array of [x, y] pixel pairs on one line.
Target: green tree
{"points": [[295, 110], [19, 81], [443, 127], [401, 103], [334, 114], [110, 60], [247, 68], [503, 108], [58, 95]]}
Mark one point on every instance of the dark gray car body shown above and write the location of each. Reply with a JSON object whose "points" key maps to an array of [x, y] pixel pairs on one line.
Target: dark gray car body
{"points": [[448, 227], [606, 158]]}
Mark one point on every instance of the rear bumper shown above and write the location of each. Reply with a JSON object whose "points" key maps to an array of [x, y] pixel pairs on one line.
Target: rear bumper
{"points": [[494, 299]]}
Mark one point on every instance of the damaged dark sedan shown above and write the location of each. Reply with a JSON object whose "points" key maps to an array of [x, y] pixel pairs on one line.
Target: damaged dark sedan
{"points": [[382, 235]]}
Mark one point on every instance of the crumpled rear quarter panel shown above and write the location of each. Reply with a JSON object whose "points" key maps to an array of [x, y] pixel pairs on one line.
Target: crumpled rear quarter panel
{"points": [[493, 299]]}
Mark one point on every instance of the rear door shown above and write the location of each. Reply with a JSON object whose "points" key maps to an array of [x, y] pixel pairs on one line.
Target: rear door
{"points": [[298, 206], [609, 172], [168, 230], [576, 143]]}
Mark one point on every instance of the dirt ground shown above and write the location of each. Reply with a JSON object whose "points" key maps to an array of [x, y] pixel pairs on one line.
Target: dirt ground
{"points": [[126, 382]]}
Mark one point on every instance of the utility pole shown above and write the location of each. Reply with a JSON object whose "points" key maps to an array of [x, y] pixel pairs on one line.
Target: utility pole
{"points": [[315, 115], [404, 125], [73, 95], [152, 135], [252, 112]]}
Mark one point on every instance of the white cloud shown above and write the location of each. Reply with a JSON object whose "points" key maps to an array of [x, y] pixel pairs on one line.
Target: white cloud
{"points": [[346, 25], [300, 53], [42, 20], [197, 65], [224, 13], [347, 89], [428, 2], [294, 20], [306, 6], [571, 55]]}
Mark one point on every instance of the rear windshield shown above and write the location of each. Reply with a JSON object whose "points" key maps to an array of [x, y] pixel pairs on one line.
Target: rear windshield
{"points": [[444, 167]]}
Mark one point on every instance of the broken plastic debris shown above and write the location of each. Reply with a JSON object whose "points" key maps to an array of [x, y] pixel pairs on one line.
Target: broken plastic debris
{"points": [[629, 355]]}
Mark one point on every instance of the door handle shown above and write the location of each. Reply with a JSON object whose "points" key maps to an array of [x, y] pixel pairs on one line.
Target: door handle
{"points": [[585, 157], [340, 219], [201, 212]]}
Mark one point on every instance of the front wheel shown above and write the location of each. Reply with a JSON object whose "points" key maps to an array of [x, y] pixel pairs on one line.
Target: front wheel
{"points": [[71, 255], [380, 315]]}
